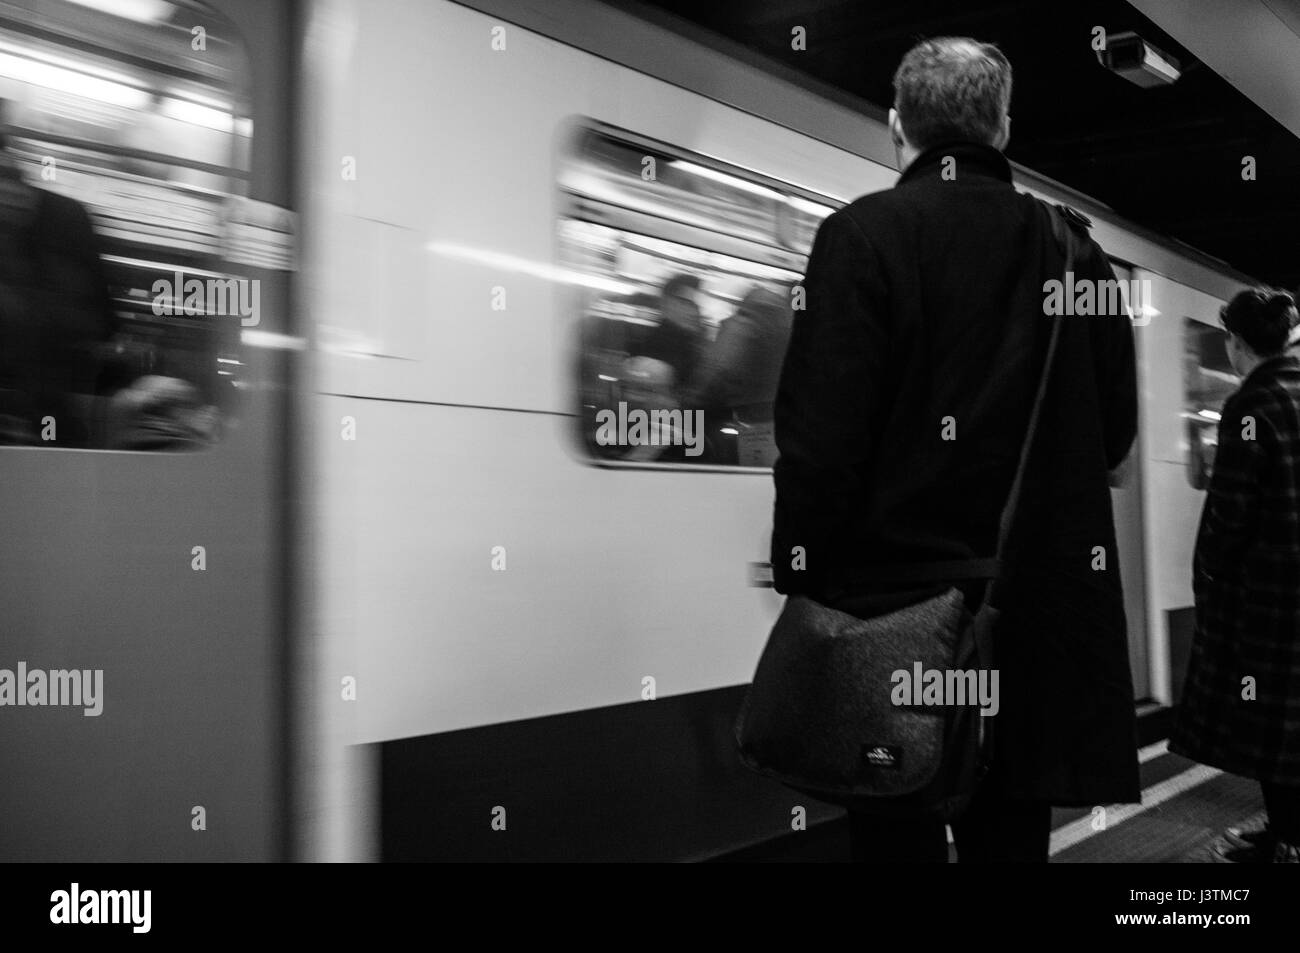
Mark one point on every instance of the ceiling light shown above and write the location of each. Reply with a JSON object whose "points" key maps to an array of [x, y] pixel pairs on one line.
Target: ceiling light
{"points": [[142, 11]]}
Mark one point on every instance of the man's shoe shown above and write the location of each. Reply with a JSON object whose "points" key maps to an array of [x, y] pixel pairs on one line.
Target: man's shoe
{"points": [[1225, 853], [1230, 854], [1242, 837]]}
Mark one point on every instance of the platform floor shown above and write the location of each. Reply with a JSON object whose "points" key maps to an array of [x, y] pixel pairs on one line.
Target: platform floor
{"points": [[1185, 808]]}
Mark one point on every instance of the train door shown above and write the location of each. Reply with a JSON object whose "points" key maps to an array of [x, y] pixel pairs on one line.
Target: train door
{"points": [[1126, 500], [142, 561], [1185, 380]]}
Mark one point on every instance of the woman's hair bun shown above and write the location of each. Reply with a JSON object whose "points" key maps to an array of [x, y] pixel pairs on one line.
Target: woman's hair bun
{"points": [[1262, 317], [1279, 302]]}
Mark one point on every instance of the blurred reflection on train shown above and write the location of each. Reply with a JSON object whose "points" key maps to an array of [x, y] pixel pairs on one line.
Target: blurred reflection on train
{"points": [[114, 183], [684, 323], [54, 311]]}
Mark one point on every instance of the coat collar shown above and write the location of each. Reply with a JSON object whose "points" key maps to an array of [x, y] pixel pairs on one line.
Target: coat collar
{"points": [[1270, 366], [970, 156]]}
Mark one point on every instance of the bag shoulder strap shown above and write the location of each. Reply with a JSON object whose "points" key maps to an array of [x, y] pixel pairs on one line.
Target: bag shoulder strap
{"points": [[1068, 241]]}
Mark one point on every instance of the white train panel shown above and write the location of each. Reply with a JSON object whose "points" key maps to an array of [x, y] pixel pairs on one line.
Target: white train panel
{"points": [[414, 247], [610, 575]]}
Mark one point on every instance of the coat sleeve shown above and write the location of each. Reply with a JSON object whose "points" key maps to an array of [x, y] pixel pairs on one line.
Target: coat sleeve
{"points": [[1114, 364], [1230, 519], [828, 395]]}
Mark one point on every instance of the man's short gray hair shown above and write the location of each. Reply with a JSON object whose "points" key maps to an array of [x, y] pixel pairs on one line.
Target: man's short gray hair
{"points": [[952, 87]]}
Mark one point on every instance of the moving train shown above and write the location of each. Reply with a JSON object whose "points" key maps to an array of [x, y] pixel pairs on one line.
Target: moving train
{"points": [[397, 602]]}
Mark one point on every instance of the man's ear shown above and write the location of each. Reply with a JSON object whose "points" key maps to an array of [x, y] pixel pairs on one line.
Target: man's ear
{"points": [[896, 129], [1004, 134]]}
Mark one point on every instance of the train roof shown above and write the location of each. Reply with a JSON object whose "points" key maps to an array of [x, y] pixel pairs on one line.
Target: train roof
{"points": [[667, 48]]}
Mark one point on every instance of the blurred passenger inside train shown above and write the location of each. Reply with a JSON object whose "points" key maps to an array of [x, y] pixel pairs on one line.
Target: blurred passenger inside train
{"points": [[1240, 708], [673, 365], [736, 377], [156, 412], [903, 403], [680, 337], [55, 312], [646, 367]]}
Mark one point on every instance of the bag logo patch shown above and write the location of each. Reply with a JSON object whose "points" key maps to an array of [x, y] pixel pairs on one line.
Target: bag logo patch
{"points": [[883, 756]]}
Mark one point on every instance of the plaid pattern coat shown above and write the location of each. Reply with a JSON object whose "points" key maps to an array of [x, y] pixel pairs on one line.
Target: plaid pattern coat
{"points": [[1241, 705]]}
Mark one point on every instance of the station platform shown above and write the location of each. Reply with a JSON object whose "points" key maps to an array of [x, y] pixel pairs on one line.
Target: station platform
{"points": [[1185, 808]]}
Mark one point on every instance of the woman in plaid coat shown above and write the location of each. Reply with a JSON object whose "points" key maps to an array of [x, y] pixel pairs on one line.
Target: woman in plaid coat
{"points": [[1241, 705]]}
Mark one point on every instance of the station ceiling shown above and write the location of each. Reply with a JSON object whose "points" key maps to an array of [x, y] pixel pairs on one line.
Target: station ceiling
{"points": [[1169, 158]]}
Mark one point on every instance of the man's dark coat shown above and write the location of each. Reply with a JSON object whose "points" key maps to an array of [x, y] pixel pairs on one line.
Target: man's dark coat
{"points": [[903, 402]]}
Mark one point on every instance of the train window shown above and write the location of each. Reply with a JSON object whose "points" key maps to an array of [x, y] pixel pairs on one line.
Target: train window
{"points": [[1208, 381], [687, 272], [125, 144]]}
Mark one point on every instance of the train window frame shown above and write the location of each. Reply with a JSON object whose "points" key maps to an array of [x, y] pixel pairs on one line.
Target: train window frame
{"points": [[580, 204], [164, 208]]}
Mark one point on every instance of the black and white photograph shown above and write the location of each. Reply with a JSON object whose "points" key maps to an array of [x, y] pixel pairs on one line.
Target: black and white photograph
{"points": [[612, 432]]}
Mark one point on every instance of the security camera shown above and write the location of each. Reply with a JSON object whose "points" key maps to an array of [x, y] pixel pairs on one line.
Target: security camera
{"points": [[1138, 61]]}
